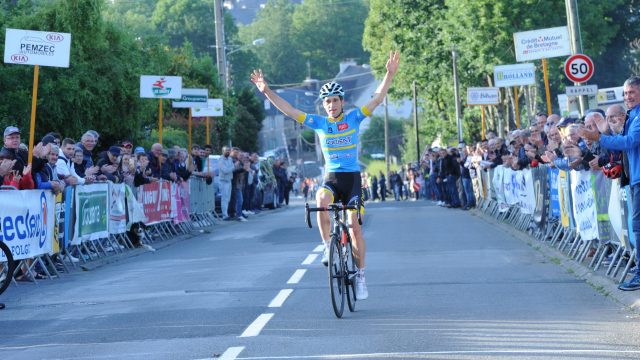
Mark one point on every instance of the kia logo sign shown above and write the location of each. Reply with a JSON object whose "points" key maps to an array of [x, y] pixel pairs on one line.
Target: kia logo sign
{"points": [[54, 37], [19, 58]]}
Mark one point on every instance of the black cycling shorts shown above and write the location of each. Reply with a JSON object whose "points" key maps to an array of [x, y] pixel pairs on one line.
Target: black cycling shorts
{"points": [[346, 187]]}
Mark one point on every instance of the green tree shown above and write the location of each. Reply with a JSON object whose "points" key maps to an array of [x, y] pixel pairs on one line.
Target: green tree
{"points": [[329, 32], [281, 61], [372, 139]]}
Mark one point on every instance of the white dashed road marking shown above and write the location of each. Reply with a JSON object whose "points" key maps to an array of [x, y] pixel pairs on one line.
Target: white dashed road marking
{"points": [[297, 276], [280, 298], [319, 248], [257, 325], [310, 259]]}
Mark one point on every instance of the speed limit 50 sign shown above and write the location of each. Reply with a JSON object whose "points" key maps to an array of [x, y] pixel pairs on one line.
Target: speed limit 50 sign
{"points": [[578, 68]]}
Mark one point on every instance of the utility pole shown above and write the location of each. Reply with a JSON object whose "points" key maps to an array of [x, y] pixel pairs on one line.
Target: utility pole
{"points": [[415, 122], [573, 23], [456, 94], [221, 56], [386, 135]]}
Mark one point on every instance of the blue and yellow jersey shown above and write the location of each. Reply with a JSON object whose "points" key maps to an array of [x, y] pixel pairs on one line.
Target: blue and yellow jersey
{"points": [[339, 138]]}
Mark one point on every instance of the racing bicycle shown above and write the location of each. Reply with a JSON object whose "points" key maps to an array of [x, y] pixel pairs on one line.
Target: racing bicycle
{"points": [[6, 268], [342, 266]]}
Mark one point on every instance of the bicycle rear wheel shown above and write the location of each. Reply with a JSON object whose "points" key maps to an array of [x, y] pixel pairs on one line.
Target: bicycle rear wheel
{"points": [[6, 266], [350, 278], [336, 276]]}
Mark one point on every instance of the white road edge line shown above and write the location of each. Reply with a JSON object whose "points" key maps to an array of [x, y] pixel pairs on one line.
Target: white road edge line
{"points": [[310, 259], [257, 325], [231, 353], [280, 298], [319, 248], [297, 276]]}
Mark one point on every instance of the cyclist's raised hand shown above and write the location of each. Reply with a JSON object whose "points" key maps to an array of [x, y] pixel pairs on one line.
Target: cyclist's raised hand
{"points": [[393, 62], [258, 79]]}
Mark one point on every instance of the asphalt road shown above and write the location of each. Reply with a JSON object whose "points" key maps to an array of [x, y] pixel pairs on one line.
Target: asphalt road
{"points": [[443, 284]]}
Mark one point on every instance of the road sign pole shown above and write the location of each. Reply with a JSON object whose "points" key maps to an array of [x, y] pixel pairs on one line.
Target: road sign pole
{"points": [[160, 122], [545, 72], [189, 125], [516, 108], [208, 140], [34, 99], [483, 123]]}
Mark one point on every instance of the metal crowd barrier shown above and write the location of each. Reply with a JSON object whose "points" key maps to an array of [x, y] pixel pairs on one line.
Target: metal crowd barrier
{"points": [[581, 213]]}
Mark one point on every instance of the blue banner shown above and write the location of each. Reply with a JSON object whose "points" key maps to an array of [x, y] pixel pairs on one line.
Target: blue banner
{"points": [[554, 203]]}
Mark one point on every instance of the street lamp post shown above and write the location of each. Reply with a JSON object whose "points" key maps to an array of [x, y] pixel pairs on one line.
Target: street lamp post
{"points": [[223, 66]]}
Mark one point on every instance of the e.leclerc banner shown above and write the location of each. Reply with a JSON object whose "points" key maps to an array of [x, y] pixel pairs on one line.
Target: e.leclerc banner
{"points": [[27, 220], [92, 204], [37, 48], [156, 201]]}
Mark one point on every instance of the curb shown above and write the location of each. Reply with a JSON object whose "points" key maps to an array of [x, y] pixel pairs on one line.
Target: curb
{"points": [[604, 285]]}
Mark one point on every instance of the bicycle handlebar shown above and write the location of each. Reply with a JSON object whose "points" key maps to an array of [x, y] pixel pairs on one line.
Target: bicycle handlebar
{"points": [[331, 207]]}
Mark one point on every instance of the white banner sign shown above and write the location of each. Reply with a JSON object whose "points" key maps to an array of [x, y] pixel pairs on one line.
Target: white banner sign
{"points": [[526, 192], [192, 98], [541, 44], [214, 108], [498, 188], [160, 87], [513, 75], [27, 220], [584, 205], [483, 96], [117, 209], [582, 90], [37, 48]]}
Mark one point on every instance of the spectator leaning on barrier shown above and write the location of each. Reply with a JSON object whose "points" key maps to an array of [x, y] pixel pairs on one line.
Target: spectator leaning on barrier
{"points": [[225, 169], [628, 142], [19, 180], [158, 162], [109, 164], [143, 173], [64, 164], [47, 178], [87, 143]]}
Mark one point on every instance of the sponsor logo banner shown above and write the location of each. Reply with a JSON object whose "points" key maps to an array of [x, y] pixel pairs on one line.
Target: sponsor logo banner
{"points": [[37, 48], [156, 201], [27, 220], [542, 43], [92, 202]]}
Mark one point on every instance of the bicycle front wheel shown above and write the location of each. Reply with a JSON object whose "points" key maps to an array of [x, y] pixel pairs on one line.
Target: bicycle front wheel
{"points": [[336, 276], [350, 275], [6, 266]]}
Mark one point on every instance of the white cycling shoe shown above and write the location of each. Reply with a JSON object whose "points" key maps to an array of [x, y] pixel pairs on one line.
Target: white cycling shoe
{"points": [[361, 287], [325, 256]]}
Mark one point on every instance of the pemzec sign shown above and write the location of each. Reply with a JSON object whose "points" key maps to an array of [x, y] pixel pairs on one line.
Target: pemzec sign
{"points": [[43, 48]]}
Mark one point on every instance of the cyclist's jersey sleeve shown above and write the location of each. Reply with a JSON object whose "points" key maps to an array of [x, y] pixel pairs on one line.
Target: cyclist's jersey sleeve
{"points": [[339, 138]]}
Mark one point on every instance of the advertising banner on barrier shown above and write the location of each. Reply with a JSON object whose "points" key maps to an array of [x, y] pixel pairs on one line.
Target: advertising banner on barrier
{"points": [[554, 198], [615, 215], [602, 187], [58, 228], [27, 220], [564, 196], [541, 191], [182, 199], [628, 212], [525, 191], [135, 211], [509, 186], [498, 187], [92, 204], [156, 201], [117, 209], [584, 205]]}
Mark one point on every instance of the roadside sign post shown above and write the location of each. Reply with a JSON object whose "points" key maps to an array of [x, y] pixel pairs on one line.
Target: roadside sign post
{"points": [[160, 87], [579, 69], [213, 107], [37, 48], [191, 98], [483, 97], [543, 44], [514, 76]]}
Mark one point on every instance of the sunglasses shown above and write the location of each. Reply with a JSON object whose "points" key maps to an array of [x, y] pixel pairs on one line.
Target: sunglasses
{"points": [[128, 146]]}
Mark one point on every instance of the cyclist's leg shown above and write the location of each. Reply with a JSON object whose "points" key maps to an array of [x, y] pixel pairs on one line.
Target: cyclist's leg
{"points": [[324, 197], [359, 246]]}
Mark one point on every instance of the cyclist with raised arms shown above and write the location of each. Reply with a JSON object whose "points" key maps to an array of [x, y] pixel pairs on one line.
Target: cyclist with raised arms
{"points": [[338, 133]]}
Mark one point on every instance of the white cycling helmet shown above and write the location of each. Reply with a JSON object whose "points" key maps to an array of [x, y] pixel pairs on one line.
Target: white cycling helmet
{"points": [[331, 89]]}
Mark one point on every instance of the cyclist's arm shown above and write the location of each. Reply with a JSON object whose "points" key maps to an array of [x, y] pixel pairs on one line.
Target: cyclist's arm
{"points": [[282, 105], [381, 91]]}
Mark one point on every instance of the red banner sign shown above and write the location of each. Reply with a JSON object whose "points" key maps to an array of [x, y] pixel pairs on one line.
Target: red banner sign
{"points": [[156, 200]]}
